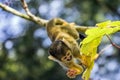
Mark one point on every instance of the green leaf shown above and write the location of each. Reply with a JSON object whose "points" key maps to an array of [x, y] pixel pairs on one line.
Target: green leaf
{"points": [[91, 42]]}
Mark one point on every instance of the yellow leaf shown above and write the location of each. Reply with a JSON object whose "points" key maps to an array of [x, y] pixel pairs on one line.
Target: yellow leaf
{"points": [[90, 44], [104, 24], [86, 74], [115, 23]]}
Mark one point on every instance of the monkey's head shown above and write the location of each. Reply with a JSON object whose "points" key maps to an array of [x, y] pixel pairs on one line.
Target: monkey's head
{"points": [[62, 54], [60, 51]]}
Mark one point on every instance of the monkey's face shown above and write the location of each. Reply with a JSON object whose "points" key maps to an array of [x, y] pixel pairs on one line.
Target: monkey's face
{"points": [[60, 51]]}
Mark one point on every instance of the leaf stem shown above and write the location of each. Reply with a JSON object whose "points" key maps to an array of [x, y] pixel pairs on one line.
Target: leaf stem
{"points": [[112, 42]]}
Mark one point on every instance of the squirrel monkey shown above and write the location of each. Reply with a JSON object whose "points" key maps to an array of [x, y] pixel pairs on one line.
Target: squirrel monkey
{"points": [[64, 48]]}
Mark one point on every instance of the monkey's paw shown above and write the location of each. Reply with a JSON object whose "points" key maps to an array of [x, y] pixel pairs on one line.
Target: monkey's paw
{"points": [[71, 73]]}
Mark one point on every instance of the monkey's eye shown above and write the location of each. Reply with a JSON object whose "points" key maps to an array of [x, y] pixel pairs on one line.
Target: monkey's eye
{"points": [[67, 57]]}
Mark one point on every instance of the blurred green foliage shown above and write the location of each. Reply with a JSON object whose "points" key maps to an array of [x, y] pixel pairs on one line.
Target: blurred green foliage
{"points": [[27, 58]]}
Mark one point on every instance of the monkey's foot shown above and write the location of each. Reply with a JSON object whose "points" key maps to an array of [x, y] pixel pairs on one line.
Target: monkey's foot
{"points": [[71, 73]]}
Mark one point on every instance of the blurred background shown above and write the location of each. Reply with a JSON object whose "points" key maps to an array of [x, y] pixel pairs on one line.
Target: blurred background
{"points": [[24, 45]]}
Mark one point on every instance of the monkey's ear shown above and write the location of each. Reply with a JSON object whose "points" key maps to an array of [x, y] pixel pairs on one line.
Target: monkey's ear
{"points": [[82, 36]]}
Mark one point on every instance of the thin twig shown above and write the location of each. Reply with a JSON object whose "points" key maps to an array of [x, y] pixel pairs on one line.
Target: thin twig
{"points": [[25, 6], [35, 18], [104, 49], [101, 52], [112, 42]]}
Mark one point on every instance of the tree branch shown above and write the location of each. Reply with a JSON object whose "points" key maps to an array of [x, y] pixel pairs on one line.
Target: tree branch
{"points": [[37, 20], [29, 16], [83, 28], [15, 12]]}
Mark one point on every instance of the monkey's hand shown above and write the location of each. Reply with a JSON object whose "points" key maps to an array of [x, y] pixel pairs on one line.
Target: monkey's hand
{"points": [[72, 72]]}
